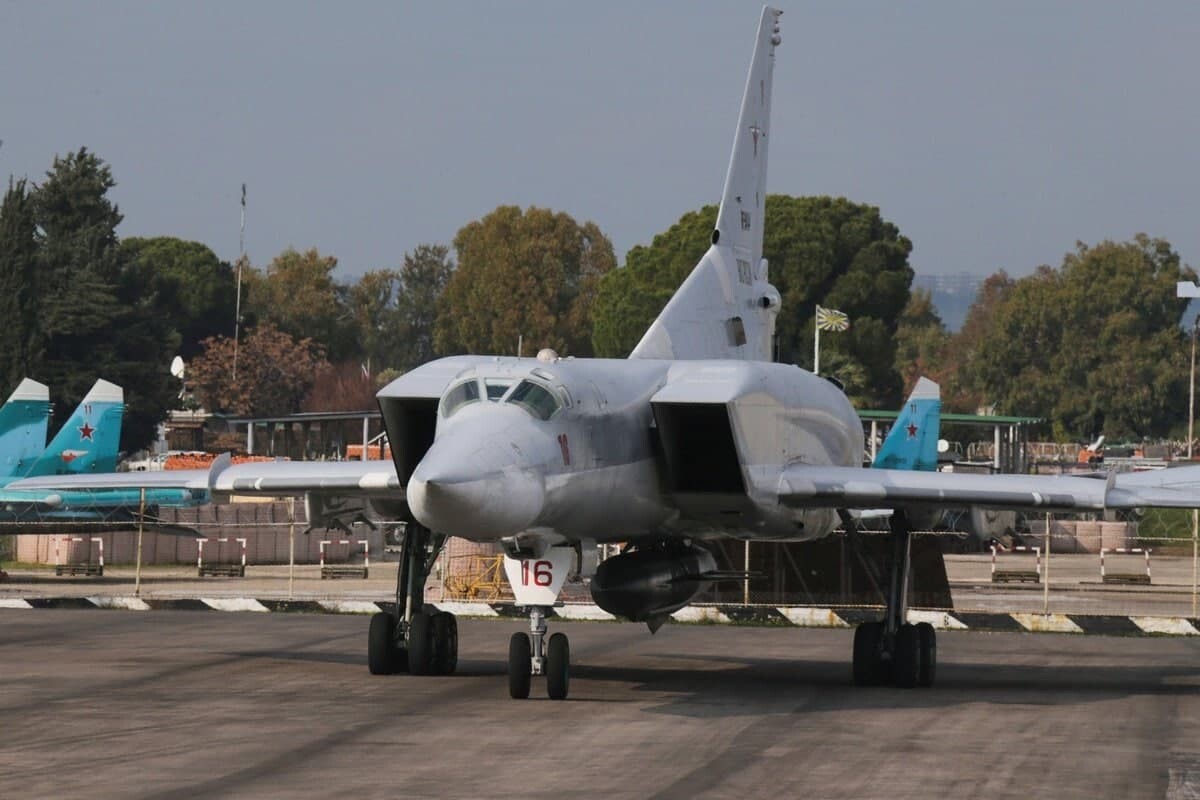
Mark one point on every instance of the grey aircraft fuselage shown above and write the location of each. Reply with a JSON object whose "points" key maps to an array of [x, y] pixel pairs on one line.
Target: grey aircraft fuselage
{"points": [[613, 450]]}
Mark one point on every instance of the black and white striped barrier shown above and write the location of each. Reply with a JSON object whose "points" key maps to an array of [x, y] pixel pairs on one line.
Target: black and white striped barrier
{"points": [[793, 616]]}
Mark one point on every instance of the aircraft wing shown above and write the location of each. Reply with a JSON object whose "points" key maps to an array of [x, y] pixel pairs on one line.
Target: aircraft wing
{"points": [[803, 485], [353, 478]]}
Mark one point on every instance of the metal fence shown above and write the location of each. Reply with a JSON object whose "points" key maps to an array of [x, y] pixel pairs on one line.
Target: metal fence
{"points": [[1143, 566]]}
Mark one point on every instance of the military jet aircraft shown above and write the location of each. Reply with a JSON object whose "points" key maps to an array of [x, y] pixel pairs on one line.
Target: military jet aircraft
{"points": [[696, 436], [86, 444]]}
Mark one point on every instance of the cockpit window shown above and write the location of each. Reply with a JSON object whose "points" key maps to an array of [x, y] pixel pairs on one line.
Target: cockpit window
{"points": [[536, 399], [459, 396], [496, 387]]}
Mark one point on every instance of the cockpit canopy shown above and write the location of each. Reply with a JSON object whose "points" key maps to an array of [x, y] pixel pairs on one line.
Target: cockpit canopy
{"points": [[535, 398], [539, 400]]}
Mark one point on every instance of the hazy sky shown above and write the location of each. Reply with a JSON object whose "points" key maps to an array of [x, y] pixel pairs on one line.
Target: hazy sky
{"points": [[994, 135]]}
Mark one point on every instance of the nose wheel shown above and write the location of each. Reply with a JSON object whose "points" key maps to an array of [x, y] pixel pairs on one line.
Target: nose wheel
{"points": [[532, 654]]}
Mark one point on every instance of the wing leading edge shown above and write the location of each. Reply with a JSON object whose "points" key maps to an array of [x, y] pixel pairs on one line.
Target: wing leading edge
{"points": [[802, 486]]}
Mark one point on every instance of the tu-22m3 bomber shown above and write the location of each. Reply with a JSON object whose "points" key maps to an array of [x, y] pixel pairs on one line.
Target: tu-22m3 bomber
{"points": [[696, 436]]}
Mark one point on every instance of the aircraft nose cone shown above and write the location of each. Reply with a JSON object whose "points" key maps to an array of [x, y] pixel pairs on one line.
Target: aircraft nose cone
{"points": [[489, 504]]}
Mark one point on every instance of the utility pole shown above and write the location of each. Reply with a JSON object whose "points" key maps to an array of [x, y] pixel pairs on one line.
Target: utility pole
{"points": [[237, 314]]}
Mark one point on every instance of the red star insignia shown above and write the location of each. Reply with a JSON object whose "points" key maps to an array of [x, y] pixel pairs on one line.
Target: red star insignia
{"points": [[912, 430], [86, 431]]}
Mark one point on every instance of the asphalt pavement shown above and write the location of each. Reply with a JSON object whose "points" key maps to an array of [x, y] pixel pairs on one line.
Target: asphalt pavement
{"points": [[190, 705]]}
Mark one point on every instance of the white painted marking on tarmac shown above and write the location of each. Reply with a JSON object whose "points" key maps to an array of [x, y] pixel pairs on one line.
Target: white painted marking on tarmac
{"points": [[233, 604], [1175, 626], [700, 614], [938, 619], [467, 609], [585, 611], [123, 603], [1047, 623], [13, 602], [813, 617], [349, 606], [1183, 784]]}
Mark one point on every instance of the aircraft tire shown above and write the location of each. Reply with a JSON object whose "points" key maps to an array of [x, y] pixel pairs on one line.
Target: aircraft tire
{"points": [[381, 650], [558, 666], [927, 641], [420, 644], [445, 637], [520, 666], [868, 669], [906, 657]]}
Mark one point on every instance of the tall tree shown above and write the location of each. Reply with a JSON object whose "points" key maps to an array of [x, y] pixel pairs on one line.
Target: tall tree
{"points": [[921, 340], [299, 295], [20, 335], [820, 250], [1096, 344], [372, 305], [96, 319], [531, 274], [423, 278], [191, 284]]}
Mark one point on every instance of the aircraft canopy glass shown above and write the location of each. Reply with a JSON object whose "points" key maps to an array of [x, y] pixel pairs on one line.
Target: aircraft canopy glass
{"points": [[535, 399], [458, 396]]}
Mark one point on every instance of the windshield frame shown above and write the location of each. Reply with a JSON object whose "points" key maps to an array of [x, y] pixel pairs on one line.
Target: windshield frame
{"points": [[537, 411]]}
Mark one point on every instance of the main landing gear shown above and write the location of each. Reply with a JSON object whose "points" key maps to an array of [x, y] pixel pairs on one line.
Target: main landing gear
{"points": [[895, 651], [412, 638], [532, 654]]}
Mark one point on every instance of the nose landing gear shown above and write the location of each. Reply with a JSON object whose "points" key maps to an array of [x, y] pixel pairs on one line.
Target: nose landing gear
{"points": [[531, 654]]}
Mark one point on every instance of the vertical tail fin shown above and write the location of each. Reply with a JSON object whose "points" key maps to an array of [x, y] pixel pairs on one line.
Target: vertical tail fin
{"points": [[89, 440], [912, 441], [726, 308], [24, 419]]}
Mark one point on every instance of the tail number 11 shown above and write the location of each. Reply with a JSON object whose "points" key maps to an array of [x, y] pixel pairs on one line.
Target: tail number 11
{"points": [[542, 573]]}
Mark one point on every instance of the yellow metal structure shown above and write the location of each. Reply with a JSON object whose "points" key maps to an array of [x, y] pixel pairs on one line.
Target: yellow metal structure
{"points": [[476, 577]]}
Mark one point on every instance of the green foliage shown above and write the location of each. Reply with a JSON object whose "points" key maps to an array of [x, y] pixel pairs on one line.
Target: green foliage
{"points": [[921, 340], [423, 278], [190, 281], [298, 294], [75, 310], [372, 306], [20, 335], [820, 250], [275, 372], [1095, 345], [531, 274]]}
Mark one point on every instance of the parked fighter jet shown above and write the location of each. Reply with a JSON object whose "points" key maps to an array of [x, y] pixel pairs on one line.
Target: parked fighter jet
{"points": [[86, 444], [695, 436]]}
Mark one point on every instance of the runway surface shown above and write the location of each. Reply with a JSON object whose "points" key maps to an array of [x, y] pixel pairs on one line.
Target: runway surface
{"points": [[191, 705]]}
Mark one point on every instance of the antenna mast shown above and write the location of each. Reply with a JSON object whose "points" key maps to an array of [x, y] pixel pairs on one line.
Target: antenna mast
{"points": [[237, 314]]}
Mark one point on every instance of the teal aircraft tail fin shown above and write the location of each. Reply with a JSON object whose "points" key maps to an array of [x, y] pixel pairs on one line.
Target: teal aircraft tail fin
{"points": [[88, 441], [24, 419], [912, 442]]}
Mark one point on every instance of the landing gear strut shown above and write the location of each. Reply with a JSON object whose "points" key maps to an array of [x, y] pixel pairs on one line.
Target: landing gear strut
{"points": [[895, 651], [531, 654], [413, 638]]}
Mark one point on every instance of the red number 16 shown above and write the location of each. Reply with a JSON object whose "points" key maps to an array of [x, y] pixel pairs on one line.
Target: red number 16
{"points": [[542, 573]]}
